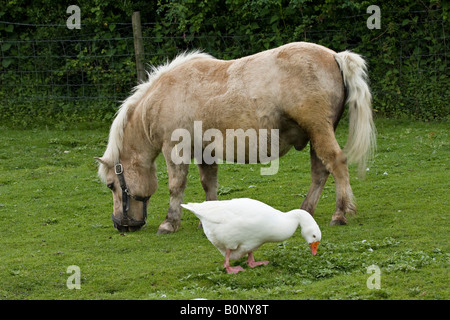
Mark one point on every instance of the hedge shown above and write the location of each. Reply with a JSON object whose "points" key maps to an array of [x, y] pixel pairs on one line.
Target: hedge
{"points": [[50, 73]]}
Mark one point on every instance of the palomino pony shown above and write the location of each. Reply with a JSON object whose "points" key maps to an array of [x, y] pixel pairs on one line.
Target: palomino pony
{"points": [[299, 88]]}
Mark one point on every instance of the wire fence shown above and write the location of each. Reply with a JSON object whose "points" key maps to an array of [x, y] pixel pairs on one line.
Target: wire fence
{"points": [[94, 72], [64, 69]]}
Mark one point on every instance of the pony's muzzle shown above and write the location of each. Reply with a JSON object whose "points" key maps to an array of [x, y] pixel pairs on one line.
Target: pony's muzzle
{"points": [[127, 224]]}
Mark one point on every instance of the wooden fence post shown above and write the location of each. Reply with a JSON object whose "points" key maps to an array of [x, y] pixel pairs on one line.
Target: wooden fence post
{"points": [[138, 46]]}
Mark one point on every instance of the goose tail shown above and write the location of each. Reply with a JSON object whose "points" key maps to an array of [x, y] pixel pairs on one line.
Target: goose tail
{"points": [[193, 208]]}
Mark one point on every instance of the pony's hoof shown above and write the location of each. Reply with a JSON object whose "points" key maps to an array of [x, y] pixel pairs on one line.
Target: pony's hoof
{"points": [[166, 227], [338, 219], [163, 231], [338, 222]]}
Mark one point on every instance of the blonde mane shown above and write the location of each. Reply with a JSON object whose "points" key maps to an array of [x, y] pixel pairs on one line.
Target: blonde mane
{"points": [[115, 140]]}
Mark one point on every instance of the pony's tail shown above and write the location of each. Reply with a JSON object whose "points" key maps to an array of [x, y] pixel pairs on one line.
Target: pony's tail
{"points": [[361, 141]]}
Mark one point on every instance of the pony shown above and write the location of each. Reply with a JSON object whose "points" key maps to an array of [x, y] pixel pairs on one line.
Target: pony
{"points": [[299, 89]]}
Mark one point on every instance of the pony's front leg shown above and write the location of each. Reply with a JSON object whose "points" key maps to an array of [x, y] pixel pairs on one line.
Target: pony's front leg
{"points": [[177, 183]]}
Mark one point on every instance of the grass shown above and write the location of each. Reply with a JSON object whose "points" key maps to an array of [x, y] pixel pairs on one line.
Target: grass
{"points": [[54, 213]]}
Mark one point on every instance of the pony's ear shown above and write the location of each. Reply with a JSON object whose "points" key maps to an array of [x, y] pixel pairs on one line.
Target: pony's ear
{"points": [[102, 161]]}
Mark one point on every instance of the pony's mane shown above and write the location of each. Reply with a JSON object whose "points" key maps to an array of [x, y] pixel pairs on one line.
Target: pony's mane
{"points": [[115, 140]]}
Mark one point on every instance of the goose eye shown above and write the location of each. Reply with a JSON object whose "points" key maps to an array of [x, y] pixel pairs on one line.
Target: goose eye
{"points": [[314, 235]]}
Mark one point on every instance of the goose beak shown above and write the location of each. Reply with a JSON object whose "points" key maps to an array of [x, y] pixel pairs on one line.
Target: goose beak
{"points": [[314, 246]]}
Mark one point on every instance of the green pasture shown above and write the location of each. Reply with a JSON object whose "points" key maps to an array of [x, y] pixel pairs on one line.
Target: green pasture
{"points": [[55, 213]]}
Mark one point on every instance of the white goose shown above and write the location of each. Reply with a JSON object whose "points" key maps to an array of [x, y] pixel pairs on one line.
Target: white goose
{"points": [[239, 226]]}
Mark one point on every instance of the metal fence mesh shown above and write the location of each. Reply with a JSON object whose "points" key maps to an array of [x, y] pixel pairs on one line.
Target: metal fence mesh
{"points": [[93, 72]]}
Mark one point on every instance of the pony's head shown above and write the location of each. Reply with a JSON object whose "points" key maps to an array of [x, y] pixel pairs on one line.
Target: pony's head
{"points": [[132, 185], [127, 169]]}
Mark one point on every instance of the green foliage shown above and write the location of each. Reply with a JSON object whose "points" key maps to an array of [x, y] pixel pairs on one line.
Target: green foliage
{"points": [[44, 79]]}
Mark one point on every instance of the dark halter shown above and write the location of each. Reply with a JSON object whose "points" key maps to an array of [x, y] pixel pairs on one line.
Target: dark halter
{"points": [[126, 195]]}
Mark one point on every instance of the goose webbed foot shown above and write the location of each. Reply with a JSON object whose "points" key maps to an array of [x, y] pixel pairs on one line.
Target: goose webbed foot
{"points": [[252, 263]]}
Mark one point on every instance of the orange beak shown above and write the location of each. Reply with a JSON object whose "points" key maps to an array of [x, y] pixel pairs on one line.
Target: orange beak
{"points": [[314, 246]]}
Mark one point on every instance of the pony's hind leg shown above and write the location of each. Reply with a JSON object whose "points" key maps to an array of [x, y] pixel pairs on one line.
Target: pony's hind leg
{"points": [[319, 176], [177, 183], [208, 178], [335, 162]]}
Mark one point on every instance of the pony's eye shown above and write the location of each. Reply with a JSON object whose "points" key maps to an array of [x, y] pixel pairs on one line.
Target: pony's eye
{"points": [[111, 186]]}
